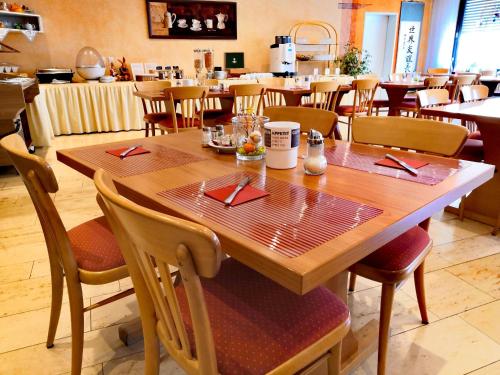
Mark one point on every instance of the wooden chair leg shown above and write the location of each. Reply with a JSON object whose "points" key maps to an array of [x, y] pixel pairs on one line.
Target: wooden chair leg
{"points": [[334, 360], [349, 120], [384, 326], [151, 345], [147, 129], [461, 208], [418, 276], [57, 280], [352, 282], [76, 309], [153, 129]]}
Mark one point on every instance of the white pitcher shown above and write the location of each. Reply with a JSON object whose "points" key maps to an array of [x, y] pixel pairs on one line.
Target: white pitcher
{"points": [[221, 18], [171, 17]]}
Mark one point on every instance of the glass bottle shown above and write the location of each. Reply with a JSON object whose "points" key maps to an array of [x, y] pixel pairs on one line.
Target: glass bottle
{"points": [[315, 161]]}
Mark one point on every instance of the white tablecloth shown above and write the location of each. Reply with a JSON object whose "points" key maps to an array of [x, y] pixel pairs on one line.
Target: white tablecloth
{"points": [[83, 108]]}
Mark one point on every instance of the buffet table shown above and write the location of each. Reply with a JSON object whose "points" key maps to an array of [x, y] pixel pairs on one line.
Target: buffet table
{"points": [[83, 108]]}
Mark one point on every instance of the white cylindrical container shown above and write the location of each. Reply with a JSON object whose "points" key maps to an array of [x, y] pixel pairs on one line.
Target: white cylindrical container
{"points": [[282, 144]]}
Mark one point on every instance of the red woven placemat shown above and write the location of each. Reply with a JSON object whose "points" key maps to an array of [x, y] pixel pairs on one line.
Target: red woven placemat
{"points": [[291, 220], [342, 155], [160, 157]]}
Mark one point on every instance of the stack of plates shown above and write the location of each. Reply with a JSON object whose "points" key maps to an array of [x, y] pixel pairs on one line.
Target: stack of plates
{"points": [[107, 79]]}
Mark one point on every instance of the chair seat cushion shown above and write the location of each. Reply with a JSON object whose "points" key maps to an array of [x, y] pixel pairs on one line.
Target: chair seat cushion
{"points": [[346, 109], [379, 103], [168, 122], [155, 118], [400, 252], [408, 104], [475, 135], [257, 325], [473, 150], [94, 246], [213, 113]]}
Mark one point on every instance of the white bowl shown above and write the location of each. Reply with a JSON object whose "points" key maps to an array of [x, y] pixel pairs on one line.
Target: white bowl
{"points": [[91, 72]]}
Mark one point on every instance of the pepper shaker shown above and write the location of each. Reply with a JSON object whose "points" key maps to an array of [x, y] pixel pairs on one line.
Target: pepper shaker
{"points": [[315, 161]]}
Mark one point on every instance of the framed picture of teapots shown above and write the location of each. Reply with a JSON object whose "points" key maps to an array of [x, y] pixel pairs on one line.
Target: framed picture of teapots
{"points": [[189, 19]]}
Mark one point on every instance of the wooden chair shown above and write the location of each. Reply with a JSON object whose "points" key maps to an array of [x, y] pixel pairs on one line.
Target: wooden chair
{"points": [[188, 99], [437, 70], [474, 92], [488, 73], [221, 315], [394, 262], [326, 122], [364, 93], [324, 95], [431, 98], [249, 95], [459, 82], [411, 106], [273, 99], [86, 254], [153, 113]]}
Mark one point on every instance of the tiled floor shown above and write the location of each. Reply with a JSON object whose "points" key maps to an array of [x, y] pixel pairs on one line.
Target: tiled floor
{"points": [[462, 280]]}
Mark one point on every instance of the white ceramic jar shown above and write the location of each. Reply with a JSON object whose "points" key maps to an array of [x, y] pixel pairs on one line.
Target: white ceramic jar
{"points": [[282, 143]]}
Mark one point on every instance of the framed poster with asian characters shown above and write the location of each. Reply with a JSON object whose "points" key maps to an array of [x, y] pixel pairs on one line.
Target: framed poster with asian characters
{"points": [[410, 24], [190, 19]]}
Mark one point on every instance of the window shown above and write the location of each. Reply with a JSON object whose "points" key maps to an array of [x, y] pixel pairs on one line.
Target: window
{"points": [[477, 45]]}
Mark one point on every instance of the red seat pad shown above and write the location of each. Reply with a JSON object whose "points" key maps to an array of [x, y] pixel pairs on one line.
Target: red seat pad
{"points": [[473, 150], [257, 325], [409, 104], [154, 118], [475, 135], [400, 252], [94, 246], [168, 122], [380, 103], [346, 109]]}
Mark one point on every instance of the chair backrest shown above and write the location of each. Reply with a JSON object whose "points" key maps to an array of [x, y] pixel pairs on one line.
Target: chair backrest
{"points": [[249, 95], [488, 73], [474, 92], [431, 98], [460, 81], [210, 82], [364, 93], [40, 180], [152, 86], [437, 70], [421, 135], [152, 242], [436, 82], [272, 81], [324, 95], [188, 98], [309, 118]]}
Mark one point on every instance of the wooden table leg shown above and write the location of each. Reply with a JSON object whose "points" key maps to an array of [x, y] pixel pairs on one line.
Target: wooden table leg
{"points": [[396, 96], [356, 346], [292, 99]]}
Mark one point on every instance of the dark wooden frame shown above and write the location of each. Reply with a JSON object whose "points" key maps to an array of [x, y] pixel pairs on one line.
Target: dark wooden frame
{"points": [[234, 30]]}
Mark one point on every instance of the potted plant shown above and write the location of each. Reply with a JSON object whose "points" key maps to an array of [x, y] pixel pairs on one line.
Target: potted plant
{"points": [[354, 61]]}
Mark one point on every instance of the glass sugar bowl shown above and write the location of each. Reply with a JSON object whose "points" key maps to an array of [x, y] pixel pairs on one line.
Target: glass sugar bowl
{"points": [[315, 161], [248, 131]]}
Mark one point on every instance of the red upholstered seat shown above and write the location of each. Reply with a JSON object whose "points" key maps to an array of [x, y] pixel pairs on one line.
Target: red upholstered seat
{"points": [[343, 110], [380, 103], [475, 135], [168, 123], [408, 104], [400, 252], [257, 324], [94, 246], [155, 118], [473, 150]]}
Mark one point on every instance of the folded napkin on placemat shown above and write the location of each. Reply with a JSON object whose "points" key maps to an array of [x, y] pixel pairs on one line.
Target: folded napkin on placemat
{"points": [[137, 151], [392, 164], [248, 193]]}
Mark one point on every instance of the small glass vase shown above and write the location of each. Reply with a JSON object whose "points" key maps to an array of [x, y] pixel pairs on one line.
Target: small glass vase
{"points": [[248, 130]]}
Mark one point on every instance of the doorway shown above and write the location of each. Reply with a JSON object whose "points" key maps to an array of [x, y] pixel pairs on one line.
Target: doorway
{"points": [[379, 39]]}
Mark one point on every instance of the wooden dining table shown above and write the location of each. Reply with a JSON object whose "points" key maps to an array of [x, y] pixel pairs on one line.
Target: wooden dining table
{"points": [[396, 92], [483, 204], [293, 95], [308, 231]]}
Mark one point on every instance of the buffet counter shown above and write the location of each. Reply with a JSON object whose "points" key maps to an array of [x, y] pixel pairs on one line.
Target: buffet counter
{"points": [[83, 108]]}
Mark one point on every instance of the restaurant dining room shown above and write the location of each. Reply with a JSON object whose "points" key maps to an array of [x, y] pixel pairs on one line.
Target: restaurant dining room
{"points": [[250, 187]]}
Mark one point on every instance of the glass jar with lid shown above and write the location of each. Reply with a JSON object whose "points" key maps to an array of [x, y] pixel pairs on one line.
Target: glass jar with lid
{"points": [[248, 132]]}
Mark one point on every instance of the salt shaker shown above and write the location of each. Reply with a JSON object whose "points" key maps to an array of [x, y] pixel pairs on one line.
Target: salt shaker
{"points": [[206, 136], [315, 160]]}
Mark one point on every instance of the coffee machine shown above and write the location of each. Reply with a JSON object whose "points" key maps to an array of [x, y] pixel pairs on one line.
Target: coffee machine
{"points": [[282, 57]]}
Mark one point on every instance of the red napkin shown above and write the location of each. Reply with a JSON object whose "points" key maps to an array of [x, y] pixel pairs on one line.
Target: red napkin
{"points": [[248, 193], [392, 164], [137, 151]]}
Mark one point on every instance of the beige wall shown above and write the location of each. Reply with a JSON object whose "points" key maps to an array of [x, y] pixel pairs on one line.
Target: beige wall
{"points": [[119, 28]]}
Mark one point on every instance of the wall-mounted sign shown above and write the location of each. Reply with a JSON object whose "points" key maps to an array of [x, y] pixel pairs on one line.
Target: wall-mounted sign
{"points": [[410, 24]]}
